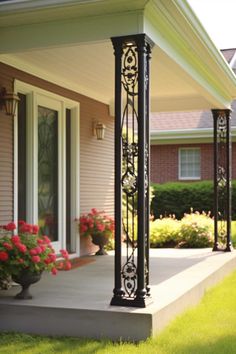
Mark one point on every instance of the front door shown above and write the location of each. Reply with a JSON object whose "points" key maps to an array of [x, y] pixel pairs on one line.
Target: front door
{"points": [[49, 183], [47, 163]]}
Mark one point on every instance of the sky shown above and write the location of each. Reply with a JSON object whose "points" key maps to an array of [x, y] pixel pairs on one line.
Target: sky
{"points": [[218, 17]]}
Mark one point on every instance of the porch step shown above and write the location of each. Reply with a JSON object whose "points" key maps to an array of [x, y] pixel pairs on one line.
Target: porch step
{"points": [[76, 303]]}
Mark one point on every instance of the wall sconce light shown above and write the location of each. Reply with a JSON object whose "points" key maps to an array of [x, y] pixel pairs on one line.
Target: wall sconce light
{"points": [[9, 101], [99, 130]]}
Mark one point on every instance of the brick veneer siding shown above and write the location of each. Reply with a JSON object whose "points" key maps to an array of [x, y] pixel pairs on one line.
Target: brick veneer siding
{"points": [[164, 162]]}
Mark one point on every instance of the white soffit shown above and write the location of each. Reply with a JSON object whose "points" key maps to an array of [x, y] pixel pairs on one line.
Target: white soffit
{"points": [[187, 71], [89, 70]]}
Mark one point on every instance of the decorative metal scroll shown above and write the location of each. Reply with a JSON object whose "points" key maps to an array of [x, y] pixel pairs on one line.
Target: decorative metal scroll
{"points": [[222, 180], [134, 54], [129, 79]]}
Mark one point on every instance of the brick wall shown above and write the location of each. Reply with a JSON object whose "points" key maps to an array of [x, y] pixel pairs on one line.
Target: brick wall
{"points": [[164, 162]]}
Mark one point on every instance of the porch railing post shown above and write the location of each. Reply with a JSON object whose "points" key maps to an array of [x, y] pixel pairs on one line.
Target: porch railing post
{"points": [[222, 180], [132, 55]]}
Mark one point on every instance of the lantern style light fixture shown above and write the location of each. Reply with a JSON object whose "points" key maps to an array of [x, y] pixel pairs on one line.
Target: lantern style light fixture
{"points": [[9, 101], [99, 130]]}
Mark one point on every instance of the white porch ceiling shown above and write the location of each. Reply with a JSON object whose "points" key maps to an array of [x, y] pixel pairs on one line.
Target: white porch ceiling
{"points": [[68, 42], [89, 70]]}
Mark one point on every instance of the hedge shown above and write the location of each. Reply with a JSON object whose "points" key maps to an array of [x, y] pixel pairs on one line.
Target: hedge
{"points": [[179, 197]]}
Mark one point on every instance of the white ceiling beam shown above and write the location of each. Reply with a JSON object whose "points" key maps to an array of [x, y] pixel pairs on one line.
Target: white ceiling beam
{"points": [[69, 32]]}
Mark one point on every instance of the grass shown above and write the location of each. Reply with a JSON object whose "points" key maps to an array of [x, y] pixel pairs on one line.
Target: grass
{"points": [[233, 232], [206, 329]]}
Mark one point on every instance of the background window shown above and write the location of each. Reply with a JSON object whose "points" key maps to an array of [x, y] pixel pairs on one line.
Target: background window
{"points": [[189, 163]]}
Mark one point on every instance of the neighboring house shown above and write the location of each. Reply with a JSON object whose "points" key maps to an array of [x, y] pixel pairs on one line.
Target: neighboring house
{"points": [[182, 142], [58, 57]]}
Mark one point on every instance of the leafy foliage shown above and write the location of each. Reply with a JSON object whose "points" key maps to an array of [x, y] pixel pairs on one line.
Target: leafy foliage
{"points": [[196, 230], [165, 232], [193, 230], [179, 197]]}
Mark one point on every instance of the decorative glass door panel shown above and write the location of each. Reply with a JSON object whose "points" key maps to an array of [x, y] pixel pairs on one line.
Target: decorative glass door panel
{"points": [[48, 172]]}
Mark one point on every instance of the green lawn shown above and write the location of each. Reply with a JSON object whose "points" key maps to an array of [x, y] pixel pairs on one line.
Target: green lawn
{"points": [[210, 327], [233, 232]]}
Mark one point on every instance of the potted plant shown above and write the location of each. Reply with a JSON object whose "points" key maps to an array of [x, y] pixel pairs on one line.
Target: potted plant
{"points": [[99, 226], [25, 255]]}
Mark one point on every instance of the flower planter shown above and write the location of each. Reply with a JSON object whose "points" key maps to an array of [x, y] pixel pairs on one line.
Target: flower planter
{"points": [[25, 279], [99, 226], [100, 241], [25, 255]]}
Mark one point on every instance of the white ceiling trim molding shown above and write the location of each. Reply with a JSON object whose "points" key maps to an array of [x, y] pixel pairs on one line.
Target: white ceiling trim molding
{"points": [[56, 9], [69, 32]]}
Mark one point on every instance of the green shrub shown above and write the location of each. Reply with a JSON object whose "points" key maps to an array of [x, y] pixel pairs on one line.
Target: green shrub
{"points": [[179, 197], [196, 230], [164, 232]]}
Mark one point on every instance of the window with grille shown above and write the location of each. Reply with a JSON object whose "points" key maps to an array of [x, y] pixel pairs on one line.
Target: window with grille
{"points": [[189, 163]]}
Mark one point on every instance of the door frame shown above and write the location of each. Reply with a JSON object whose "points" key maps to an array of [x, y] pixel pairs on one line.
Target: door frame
{"points": [[37, 96]]}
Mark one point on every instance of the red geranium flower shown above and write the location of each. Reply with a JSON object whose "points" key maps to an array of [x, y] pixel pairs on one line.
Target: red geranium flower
{"points": [[64, 254], [35, 259], [8, 246], [26, 228], [15, 239], [46, 239], [33, 252], [3, 256], [54, 271], [22, 248], [67, 265], [10, 227], [35, 229]]}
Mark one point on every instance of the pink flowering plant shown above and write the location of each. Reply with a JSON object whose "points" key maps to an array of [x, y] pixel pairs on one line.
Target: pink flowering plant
{"points": [[96, 223], [28, 251]]}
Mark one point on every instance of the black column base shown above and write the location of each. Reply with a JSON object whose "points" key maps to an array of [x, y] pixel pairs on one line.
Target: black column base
{"points": [[216, 247], [131, 302], [229, 248]]}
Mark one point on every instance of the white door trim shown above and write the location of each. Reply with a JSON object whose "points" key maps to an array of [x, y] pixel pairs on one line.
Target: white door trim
{"points": [[35, 97]]}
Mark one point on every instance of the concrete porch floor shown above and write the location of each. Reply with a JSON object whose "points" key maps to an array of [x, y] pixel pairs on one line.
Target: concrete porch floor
{"points": [[76, 303]]}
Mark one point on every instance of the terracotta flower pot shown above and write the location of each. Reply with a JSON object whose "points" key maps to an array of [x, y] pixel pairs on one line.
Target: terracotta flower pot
{"points": [[25, 279], [100, 240]]}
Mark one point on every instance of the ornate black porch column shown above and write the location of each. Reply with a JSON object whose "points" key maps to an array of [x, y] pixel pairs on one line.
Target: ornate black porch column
{"points": [[132, 55], [222, 180]]}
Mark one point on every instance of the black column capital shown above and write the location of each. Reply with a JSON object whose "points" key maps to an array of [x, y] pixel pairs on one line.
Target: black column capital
{"points": [[137, 40], [221, 112]]}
